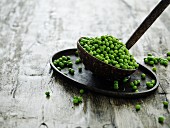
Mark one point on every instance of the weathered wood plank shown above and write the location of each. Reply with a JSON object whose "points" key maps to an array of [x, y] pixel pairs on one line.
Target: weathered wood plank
{"points": [[31, 31]]}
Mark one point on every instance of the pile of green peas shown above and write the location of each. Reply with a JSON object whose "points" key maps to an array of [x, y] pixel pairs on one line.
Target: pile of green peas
{"points": [[150, 84], [134, 85], [110, 50], [63, 62], [152, 60], [78, 99]]}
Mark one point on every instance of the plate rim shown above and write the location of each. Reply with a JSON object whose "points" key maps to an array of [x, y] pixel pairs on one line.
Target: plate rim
{"points": [[107, 92]]}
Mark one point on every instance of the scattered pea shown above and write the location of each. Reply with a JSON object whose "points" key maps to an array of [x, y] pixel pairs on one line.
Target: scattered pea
{"points": [[75, 101], [137, 107], [71, 71], [168, 53], [125, 80], [116, 85], [132, 84], [81, 91], [134, 88], [76, 53], [165, 103], [79, 99], [143, 76], [80, 69], [59, 68], [161, 119], [47, 94], [168, 58], [154, 69], [78, 61]]}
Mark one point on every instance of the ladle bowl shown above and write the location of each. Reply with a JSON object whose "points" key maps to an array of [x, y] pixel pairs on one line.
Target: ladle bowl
{"points": [[101, 69]]}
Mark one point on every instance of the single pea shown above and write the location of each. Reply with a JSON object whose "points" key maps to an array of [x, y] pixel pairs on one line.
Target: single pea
{"points": [[168, 58], [125, 80], [65, 73], [59, 68], [165, 103], [137, 107], [134, 88], [136, 82], [76, 53], [132, 84], [80, 69], [149, 54], [69, 64], [75, 101], [78, 61], [116, 86], [64, 57], [154, 69], [165, 63], [151, 62], [47, 94], [81, 91], [143, 76], [168, 53], [71, 71], [161, 119], [79, 99], [146, 60], [136, 91], [117, 66], [153, 82], [106, 61]]}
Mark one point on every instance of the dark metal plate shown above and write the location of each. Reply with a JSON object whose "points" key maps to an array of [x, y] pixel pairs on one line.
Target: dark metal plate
{"points": [[86, 79]]}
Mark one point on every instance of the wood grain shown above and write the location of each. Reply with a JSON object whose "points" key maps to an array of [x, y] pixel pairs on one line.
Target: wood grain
{"points": [[31, 31]]}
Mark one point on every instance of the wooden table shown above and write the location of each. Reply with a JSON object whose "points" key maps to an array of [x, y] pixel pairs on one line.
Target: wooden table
{"points": [[32, 30]]}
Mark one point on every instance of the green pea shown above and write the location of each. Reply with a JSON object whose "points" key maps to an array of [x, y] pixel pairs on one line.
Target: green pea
{"points": [[154, 69], [75, 101], [137, 107], [168, 58], [168, 53], [132, 84], [59, 68], [81, 91], [161, 119], [117, 66], [78, 61], [153, 82], [149, 54], [116, 86], [47, 94], [76, 53], [79, 99], [151, 62], [134, 88], [146, 60], [143, 76], [56, 62], [69, 64], [165, 103], [71, 71], [80, 69], [125, 80], [136, 82]]}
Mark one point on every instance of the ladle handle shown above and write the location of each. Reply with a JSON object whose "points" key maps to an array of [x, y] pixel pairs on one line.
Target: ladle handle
{"points": [[155, 13]]}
